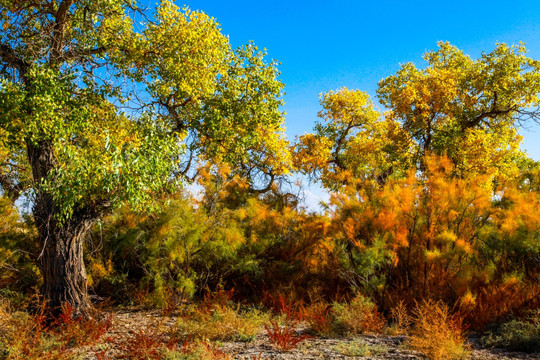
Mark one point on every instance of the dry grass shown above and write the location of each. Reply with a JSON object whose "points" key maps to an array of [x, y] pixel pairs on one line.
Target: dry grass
{"points": [[436, 333], [221, 323], [360, 348], [28, 337], [146, 344], [401, 320], [199, 350], [152, 345]]}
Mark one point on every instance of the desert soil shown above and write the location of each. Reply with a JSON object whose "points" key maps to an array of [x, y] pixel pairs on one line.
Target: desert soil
{"points": [[127, 322]]}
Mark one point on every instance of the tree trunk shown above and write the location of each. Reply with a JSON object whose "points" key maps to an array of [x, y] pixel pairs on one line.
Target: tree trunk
{"points": [[61, 259]]}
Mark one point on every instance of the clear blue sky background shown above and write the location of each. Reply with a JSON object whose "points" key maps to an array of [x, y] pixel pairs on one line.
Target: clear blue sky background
{"points": [[324, 45]]}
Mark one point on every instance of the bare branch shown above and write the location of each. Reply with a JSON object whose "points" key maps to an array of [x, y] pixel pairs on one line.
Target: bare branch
{"points": [[59, 29], [79, 53], [8, 55], [267, 187]]}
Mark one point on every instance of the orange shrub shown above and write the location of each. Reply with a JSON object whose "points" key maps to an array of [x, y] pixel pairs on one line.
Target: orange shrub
{"points": [[436, 333], [496, 301], [401, 319], [318, 317]]}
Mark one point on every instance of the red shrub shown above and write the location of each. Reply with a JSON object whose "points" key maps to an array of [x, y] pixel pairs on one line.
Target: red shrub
{"points": [[284, 337]]}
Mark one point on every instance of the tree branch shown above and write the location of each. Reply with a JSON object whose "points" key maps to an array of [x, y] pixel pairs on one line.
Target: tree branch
{"points": [[339, 143], [267, 187], [59, 27], [79, 53], [11, 190], [8, 55], [492, 113]]}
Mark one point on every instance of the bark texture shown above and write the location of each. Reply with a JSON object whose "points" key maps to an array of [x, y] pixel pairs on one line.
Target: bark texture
{"points": [[61, 260]]}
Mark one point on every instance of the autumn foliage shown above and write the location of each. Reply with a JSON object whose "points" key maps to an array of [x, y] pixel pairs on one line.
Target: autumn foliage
{"points": [[432, 226]]}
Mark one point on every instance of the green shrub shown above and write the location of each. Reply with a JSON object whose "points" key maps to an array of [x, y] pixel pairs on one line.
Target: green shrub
{"points": [[516, 334], [357, 317]]}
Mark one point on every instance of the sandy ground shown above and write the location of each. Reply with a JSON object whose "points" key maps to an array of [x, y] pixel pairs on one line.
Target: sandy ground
{"points": [[127, 323]]}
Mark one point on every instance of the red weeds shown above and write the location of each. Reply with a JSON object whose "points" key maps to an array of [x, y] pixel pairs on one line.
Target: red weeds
{"points": [[280, 304], [148, 343], [218, 298], [78, 330], [284, 337], [43, 338]]}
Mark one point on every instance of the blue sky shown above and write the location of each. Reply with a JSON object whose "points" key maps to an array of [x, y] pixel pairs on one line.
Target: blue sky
{"points": [[324, 45]]}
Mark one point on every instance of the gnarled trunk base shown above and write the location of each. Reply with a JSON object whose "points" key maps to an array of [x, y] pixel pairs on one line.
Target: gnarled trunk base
{"points": [[64, 274], [61, 260]]}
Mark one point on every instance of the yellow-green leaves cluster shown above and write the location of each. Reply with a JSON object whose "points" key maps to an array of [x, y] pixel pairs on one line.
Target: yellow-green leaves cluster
{"points": [[114, 108], [226, 102], [355, 141], [468, 110], [181, 54]]}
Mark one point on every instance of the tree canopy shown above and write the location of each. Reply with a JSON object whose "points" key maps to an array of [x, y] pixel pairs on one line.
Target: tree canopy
{"points": [[118, 107], [468, 110]]}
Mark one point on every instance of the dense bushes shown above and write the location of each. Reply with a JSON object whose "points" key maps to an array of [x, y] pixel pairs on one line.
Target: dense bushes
{"points": [[435, 236], [19, 250], [519, 334], [221, 235], [429, 236]]}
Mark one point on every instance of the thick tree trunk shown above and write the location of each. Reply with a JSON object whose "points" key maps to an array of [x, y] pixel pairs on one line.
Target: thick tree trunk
{"points": [[64, 274], [61, 259]]}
